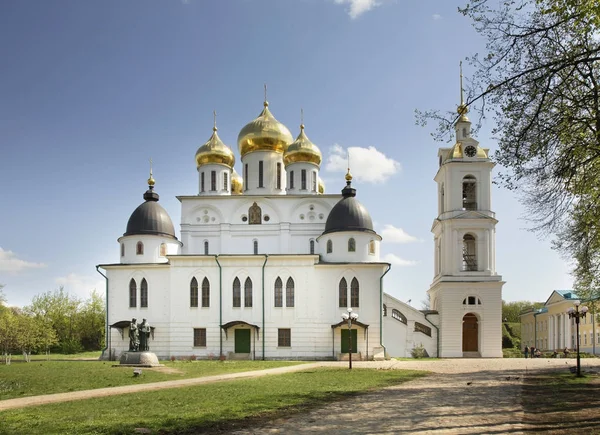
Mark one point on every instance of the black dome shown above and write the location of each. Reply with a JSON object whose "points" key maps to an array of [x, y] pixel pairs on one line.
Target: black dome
{"points": [[150, 218], [348, 214]]}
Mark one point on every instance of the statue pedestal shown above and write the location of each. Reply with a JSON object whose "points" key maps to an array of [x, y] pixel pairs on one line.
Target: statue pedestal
{"points": [[139, 359]]}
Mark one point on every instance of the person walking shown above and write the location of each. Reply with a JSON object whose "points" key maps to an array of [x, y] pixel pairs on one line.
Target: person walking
{"points": [[526, 352], [532, 351]]}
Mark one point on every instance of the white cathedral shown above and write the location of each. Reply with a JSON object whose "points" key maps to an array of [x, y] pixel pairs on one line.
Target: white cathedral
{"points": [[267, 262]]}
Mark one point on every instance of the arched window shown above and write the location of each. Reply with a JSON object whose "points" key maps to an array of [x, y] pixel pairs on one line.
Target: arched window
{"points": [[329, 246], [139, 248], [237, 293], [163, 249], [469, 192], [303, 179], [312, 246], [144, 294], [225, 181], [351, 245], [278, 292], [255, 246], [313, 182], [469, 253], [194, 293], [399, 316], [213, 180], [122, 249], [354, 293], [372, 247], [289, 292], [464, 132], [202, 182], [471, 300], [343, 293], [205, 293], [384, 310], [419, 327], [132, 294], [248, 293], [206, 247], [291, 179], [442, 199]]}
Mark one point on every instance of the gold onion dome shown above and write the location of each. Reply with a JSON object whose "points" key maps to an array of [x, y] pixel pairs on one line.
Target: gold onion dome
{"points": [[215, 151], [462, 110], [264, 133], [237, 183], [302, 150], [321, 186]]}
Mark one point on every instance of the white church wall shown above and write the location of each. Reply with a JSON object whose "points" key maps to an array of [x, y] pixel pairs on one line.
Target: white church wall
{"points": [[340, 243], [269, 186], [151, 249]]}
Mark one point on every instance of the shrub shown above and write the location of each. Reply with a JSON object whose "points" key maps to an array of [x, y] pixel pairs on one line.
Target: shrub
{"points": [[419, 352]]}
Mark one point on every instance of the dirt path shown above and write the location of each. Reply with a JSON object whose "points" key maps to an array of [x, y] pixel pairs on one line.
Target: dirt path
{"points": [[461, 396]]}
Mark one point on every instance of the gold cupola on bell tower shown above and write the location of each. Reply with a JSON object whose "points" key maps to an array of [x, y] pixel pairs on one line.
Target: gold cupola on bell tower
{"points": [[215, 151]]}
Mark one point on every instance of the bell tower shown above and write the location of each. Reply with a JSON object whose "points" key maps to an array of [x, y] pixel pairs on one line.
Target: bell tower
{"points": [[466, 289]]}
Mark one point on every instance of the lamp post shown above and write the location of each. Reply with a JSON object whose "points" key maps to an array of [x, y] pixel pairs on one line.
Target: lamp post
{"points": [[576, 313], [350, 316]]}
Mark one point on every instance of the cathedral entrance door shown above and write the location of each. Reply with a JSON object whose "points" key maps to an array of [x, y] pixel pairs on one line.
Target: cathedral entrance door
{"points": [[345, 341], [242, 341], [470, 333]]}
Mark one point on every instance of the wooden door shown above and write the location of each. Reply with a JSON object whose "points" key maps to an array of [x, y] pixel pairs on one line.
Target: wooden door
{"points": [[242, 341], [470, 333]]}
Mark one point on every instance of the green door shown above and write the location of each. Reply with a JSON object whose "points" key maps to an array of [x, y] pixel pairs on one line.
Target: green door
{"points": [[345, 340], [242, 341]]}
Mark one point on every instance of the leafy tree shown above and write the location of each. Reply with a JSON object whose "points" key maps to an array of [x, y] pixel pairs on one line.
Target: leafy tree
{"points": [[7, 336], [511, 311], [539, 80], [90, 322]]}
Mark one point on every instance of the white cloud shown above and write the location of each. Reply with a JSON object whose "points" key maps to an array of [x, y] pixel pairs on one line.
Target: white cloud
{"points": [[436, 16], [10, 263], [358, 7], [394, 259], [392, 234], [81, 285], [366, 164]]}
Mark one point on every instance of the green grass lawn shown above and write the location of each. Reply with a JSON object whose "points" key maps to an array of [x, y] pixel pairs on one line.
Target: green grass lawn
{"points": [[222, 406], [46, 377]]}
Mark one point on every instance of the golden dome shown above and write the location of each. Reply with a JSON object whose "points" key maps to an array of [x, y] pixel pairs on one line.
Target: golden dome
{"points": [[302, 150], [348, 175], [264, 133], [215, 151], [462, 110], [321, 186], [237, 183]]}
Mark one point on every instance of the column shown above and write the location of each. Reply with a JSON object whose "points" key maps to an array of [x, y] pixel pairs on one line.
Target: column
{"points": [[486, 250], [550, 332], [458, 250]]}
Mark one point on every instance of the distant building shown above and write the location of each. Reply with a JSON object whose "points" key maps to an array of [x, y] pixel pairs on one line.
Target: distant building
{"points": [[549, 327], [268, 262]]}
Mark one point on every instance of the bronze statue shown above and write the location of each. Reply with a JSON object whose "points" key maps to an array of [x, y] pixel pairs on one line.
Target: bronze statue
{"points": [[134, 336], [144, 333]]}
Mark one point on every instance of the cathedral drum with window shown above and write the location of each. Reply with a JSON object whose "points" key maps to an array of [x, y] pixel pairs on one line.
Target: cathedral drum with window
{"points": [[267, 262]]}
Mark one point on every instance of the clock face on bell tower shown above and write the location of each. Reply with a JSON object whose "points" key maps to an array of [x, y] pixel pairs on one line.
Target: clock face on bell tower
{"points": [[470, 151]]}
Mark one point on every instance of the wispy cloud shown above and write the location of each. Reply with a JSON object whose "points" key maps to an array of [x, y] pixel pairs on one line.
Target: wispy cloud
{"points": [[358, 7], [9, 262], [366, 164], [81, 285], [395, 260], [436, 17], [391, 234]]}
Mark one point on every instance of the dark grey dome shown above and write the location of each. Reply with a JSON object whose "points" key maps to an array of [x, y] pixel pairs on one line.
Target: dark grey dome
{"points": [[150, 218], [348, 214]]}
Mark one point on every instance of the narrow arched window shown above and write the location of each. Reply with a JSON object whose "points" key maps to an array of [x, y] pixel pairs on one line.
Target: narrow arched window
{"points": [[329, 246], [278, 292], [384, 310], [372, 247], [313, 181], [354, 293], [312, 246], [194, 293], [289, 292], [213, 180], [248, 293], [255, 246], [343, 293], [205, 293], [303, 179], [351, 245], [469, 253], [144, 293], [132, 293], [122, 249], [225, 181], [399, 316], [469, 192], [202, 189], [139, 248], [163, 249], [278, 175], [206, 247], [237, 293], [291, 179]]}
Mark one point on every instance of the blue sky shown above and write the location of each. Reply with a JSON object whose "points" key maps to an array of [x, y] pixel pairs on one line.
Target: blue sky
{"points": [[89, 91]]}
